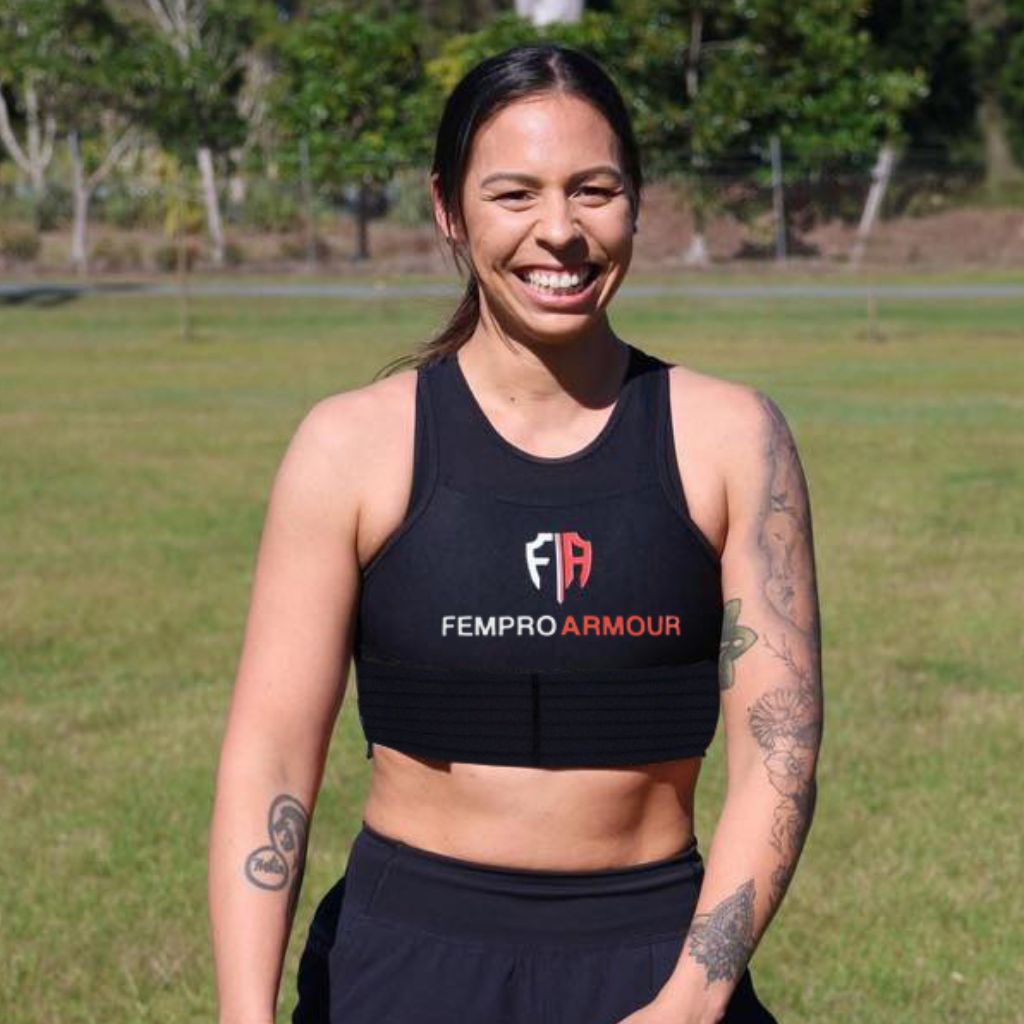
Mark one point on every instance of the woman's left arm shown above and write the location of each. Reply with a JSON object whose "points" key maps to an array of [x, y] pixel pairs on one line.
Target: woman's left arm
{"points": [[772, 707]]}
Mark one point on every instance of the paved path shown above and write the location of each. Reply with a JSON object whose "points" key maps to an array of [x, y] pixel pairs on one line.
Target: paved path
{"points": [[57, 292]]}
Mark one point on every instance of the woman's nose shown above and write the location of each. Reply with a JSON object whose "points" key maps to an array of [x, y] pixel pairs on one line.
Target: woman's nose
{"points": [[556, 224]]}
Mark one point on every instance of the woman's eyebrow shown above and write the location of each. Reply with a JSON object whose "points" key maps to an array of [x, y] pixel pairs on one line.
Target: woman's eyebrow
{"points": [[528, 179]]}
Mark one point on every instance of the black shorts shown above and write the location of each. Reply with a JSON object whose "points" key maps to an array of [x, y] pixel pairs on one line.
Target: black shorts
{"points": [[408, 936]]}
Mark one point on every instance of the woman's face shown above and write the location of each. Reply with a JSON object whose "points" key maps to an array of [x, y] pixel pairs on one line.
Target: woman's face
{"points": [[548, 220]]}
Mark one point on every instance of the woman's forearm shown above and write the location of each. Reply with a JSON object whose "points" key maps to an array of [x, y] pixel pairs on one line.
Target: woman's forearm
{"points": [[257, 851], [748, 869]]}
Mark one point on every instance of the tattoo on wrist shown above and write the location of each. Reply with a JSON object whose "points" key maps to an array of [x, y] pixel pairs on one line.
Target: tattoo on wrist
{"points": [[280, 864], [736, 641], [723, 939]]}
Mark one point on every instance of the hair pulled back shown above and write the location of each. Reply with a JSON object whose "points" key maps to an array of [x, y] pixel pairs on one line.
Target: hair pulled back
{"points": [[484, 90]]}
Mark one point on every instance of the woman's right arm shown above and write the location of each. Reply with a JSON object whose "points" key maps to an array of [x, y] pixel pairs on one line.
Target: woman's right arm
{"points": [[288, 689]]}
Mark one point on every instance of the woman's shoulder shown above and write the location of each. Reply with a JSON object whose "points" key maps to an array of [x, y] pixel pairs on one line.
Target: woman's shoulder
{"points": [[374, 399], [358, 420], [741, 435], [357, 440], [734, 429], [732, 411]]}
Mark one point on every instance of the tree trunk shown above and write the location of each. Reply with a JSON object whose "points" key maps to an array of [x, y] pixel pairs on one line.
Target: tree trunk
{"points": [[34, 138], [205, 159], [988, 18], [362, 223], [879, 183], [697, 254], [34, 157], [81, 194], [1001, 169]]}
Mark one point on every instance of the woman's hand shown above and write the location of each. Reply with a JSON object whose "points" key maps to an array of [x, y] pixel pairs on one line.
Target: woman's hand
{"points": [[662, 1010]]}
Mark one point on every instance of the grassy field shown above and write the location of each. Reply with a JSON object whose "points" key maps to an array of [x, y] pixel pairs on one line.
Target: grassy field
{"points": [[135, 470]]}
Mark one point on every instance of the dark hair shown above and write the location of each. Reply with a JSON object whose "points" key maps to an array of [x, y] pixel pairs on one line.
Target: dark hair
{"points": [[484, 90]]}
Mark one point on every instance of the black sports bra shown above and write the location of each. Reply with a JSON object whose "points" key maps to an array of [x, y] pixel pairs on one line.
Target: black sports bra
{"points": [[542, 611]]}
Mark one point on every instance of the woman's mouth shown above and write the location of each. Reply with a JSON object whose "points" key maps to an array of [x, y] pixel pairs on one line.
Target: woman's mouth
{"points": [[559, 288]]}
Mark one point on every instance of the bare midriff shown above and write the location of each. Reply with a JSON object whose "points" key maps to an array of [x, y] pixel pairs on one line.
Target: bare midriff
{"points": [[563, 819]]}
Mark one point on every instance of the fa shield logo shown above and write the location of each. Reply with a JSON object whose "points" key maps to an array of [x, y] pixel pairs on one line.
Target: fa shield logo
{"points": [[568, 553]]}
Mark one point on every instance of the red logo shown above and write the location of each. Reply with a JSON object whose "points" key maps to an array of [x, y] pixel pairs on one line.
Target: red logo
{"points": [[572, 560]]}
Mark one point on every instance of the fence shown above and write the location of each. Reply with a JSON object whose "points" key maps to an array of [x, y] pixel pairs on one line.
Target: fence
{"points": [[927, 216]]}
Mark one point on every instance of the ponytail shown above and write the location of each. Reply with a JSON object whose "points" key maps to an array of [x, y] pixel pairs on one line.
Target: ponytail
{"points": [[459, 329]]}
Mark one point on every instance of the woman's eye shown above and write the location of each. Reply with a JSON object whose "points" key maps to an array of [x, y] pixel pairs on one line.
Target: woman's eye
{"points": [[593, 190]]}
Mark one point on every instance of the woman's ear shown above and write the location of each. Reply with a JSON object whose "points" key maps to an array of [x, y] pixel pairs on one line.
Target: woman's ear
{"points": [[450, 231]]}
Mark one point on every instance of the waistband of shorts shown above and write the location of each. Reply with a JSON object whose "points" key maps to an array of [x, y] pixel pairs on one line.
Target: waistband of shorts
{"points": [[391, 881]]}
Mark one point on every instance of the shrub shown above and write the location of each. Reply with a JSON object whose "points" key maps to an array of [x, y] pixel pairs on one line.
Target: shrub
{"points": [[19, 244], [296, 249], [270, 206], [234, 254], [112, 255], [166, 257], [130, 206]]}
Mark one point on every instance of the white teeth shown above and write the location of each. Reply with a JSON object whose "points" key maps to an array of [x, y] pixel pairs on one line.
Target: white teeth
{"points": [[563, 281]]}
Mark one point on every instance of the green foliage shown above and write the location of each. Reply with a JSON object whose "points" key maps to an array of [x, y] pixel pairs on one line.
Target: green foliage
{"points": [[184, 216], [123, 205], [409, 197], [270, 206], [353, 86], [82, 59], [964, 51], [643, 54], [805, 72], [189, 95], [1011, 75], [930, 38]]}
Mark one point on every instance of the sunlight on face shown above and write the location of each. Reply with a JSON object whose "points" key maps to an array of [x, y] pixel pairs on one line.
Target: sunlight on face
{"points": [[548, 218]]}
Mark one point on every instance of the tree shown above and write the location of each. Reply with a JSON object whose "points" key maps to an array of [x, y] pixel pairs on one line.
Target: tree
{"points": [[931, 38], [80, 62], [352, 88], [708, 85], [99, 72], [195, 69], [1011, 82], [971, 54], [996, 30], [28, 32]]}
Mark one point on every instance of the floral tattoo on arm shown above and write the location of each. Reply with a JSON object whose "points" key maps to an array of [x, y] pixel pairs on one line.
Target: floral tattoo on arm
{"points": [[786, 722]]}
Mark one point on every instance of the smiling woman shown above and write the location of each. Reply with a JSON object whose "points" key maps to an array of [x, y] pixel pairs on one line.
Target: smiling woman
{"points": [[547, 610]]}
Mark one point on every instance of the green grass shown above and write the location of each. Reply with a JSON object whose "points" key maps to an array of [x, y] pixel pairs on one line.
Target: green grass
{"points": [[135, 473]]}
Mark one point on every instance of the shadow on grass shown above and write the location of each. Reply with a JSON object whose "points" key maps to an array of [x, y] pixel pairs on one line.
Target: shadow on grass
{"points": [[56, 294], [38, 295]]}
